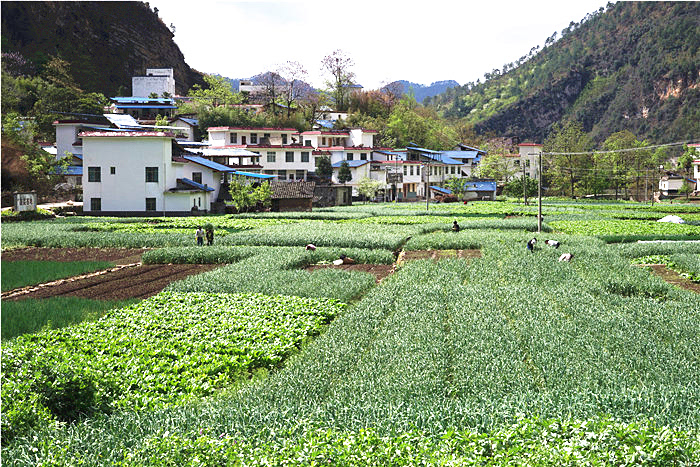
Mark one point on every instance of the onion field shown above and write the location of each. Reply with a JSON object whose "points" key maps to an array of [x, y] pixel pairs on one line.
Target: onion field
{"points": [[512, 358]]}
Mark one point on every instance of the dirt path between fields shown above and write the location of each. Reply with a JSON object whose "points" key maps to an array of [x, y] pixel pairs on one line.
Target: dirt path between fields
{"points": [[118, 256], [119, 283], [673, 278]]}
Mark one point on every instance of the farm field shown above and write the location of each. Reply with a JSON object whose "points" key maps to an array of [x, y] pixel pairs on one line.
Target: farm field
{"points": [[469, 350]]}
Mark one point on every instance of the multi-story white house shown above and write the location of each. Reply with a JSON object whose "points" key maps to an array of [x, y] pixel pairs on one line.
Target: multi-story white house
{"points": [[145, 173], [696, 166]]}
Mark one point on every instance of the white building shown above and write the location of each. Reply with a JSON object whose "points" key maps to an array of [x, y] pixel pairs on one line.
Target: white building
{"points": [[696, 166], [160, 81], [145, 173]]}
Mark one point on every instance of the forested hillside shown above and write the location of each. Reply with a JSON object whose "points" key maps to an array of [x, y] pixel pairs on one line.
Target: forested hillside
{"points": [[105, 43], [633, 66]]}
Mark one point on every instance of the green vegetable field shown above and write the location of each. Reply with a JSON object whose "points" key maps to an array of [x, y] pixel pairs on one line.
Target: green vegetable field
{"points": [[508, 357]]}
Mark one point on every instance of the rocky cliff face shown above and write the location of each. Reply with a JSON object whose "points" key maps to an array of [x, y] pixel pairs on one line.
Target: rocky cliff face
{"points": [[106, 43]]}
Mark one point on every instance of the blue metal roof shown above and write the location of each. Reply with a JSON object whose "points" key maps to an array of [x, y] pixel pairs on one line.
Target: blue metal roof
{"points": [[254, 175], [480, 186], [461, 154], [191, 121], [143, 100], [196, 185], [145, 106], [70, 170], [211, 164], [441, 190], [351, 164], [325, 123]]}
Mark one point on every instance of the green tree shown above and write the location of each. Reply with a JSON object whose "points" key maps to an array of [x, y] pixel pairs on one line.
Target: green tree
{"points": [[218, 91], [458, 186], [623, 163], [338, 65], [368, 187], [515, 187], [567, 165], [324, 169], [344, 174], [262, 195]]}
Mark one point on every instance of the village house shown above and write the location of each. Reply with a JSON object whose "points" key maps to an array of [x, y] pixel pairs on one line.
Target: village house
{"points": [[146, 173]]}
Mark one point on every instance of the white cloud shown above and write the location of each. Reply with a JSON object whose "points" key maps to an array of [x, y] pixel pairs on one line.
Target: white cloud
{"points": [[420, 42]]}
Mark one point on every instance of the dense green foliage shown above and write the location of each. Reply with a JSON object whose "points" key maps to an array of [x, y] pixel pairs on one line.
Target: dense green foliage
{"points": [[21, 273], [165, 350], [30, 315], [630, 66]]}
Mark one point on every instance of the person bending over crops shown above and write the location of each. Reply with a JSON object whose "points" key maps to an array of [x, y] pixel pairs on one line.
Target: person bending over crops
{"points": [[455, 226]]}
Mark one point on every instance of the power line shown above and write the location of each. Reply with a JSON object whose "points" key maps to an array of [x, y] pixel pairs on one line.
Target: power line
{"points": [[642, 148]]}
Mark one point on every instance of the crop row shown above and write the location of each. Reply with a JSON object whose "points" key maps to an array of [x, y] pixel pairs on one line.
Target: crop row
{"points": [[164, 350], [457, 345], [277, 271], [609, 227], [525, 442], [22, 273], [232, 254]]}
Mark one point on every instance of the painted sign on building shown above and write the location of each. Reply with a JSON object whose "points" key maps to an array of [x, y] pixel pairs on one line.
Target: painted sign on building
{"points": [[25, 201]]}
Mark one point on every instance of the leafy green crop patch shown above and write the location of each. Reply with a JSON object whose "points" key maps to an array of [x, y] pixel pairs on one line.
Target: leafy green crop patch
{"points": [[22, 273], [165, 350], [609, 227]]}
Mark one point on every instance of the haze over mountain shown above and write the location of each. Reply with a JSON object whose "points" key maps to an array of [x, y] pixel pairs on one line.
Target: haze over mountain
{"points": [[634, 66]]}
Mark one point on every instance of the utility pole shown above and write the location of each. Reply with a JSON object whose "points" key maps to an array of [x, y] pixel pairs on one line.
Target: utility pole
{"points": [[524, 185], [646, 186], [539, 193], [427, 186]]}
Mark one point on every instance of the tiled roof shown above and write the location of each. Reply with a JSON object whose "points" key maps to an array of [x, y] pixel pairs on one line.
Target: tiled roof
{"points": [[210, 164], [292, 190]]}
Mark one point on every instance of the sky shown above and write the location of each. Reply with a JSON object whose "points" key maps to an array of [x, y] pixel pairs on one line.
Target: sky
{"points": [[421, 42]]}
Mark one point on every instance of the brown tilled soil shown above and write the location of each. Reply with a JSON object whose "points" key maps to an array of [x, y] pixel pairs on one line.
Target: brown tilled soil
{"points": [[440, 254], [115, 255], [380, 271], [673, 278], [120, 283]]}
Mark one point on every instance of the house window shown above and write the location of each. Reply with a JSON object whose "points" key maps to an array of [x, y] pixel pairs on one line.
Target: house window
{"points": [[405, 170], [112, 170], [234, 138], [300, 175], [527, 163], [253, 138], [196, 177], [351, 156], [271, 156], [95, 204], [323, 141], [266, 136], [289, 156], [305, 157], [307, 142], [281, 175], [284, 139], [151, 174], [94, 174], [363, 156], [150, 204], [411, 170]]}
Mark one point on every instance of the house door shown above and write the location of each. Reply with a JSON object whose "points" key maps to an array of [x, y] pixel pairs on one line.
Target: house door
{"points": [[243, 140]]}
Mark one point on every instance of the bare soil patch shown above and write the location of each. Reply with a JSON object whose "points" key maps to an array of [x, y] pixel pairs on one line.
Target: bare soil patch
{"points": [[439, 254], [116, 255], [117, 284], [380, 271], [673, 278]]}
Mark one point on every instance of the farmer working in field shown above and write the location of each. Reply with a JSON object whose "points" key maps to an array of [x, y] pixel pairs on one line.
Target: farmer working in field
{"points": [[199, 235]]}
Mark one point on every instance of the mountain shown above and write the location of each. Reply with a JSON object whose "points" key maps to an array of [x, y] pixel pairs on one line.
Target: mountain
{"points": [[106, 43], [633, 66], [421, 91]]}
